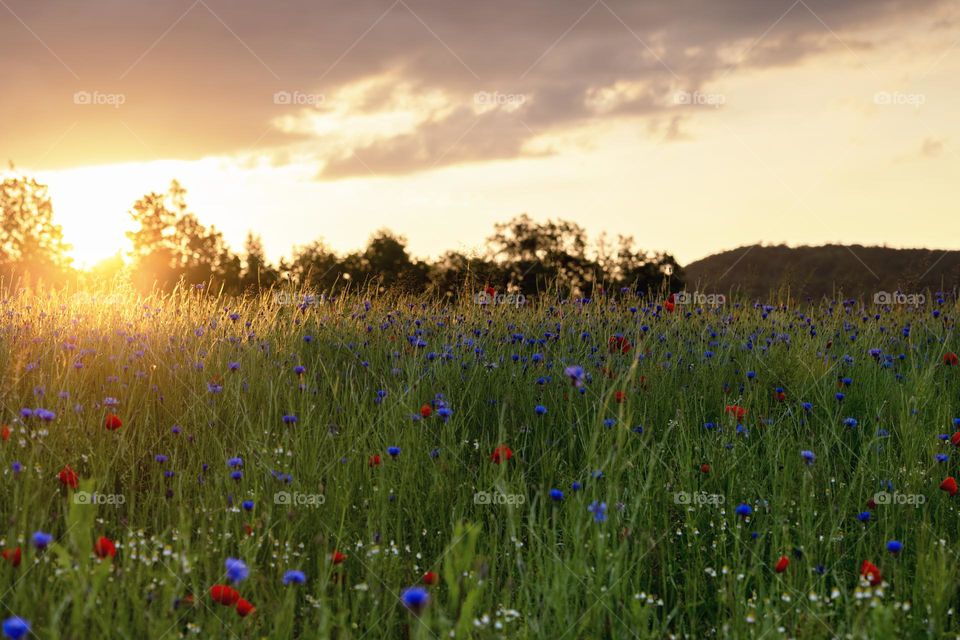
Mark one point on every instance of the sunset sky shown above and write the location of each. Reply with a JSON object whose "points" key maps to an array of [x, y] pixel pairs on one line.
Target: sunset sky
{"points": [[694, 125]]}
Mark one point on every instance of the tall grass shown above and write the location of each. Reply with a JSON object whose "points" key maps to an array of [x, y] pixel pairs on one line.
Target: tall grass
{"points": [[201, 379]]}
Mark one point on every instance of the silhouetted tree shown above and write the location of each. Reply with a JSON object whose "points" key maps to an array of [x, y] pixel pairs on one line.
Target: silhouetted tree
{"points": [[257, 273], [29, 240]]}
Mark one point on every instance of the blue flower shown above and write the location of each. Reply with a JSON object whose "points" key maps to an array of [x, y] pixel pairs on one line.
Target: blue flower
{"points": [[743, 510], [41, 539], [415, 598], [247, 505], [393, 451], [294, 576], [576, 486], [808, 457], [863, 516], [556, 495], [235, 462], [894, 546], [850, 422], [941, 457], [540, 410], [15, 627], [237, 570], [289, 419], [599, 511]]}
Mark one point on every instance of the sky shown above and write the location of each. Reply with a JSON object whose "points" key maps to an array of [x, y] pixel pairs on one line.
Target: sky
{"points": [[695, 126]]}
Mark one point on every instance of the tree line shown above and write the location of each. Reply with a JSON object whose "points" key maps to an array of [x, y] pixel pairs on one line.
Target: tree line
{"points": [[170, 246]]}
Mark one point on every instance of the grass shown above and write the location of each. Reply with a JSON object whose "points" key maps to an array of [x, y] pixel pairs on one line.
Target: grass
{"points": [[671, 557]]}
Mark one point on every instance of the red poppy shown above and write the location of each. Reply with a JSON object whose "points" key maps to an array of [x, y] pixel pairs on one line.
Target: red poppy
{"points": [[426, 411], [244, 608], [705, 468], [620, 396], [430, 578], [780, 395], [336, 557], [104, 547], [501, 454], [5, 433], [669, 303], [12, 556], [68, 477], [248, 528], [950, 359], [782, 564], [736, 411], [374, 461], [112, 422], [955, 439], [949, 485], [871, 572], [490, 291], [619, 344], [643, 382], [224, 594], [871, 504]]}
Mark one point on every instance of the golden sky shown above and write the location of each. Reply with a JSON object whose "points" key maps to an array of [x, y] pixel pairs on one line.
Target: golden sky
{"points": [[694, 125]]}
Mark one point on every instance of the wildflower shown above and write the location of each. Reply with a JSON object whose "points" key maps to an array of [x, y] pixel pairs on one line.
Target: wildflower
{"points": [[112, 422], [871, 572], [426, 411], [337, 558], [237, 570], [430, 578], [619, 397], [289, 419], [782, 564], [15, 627], [540, 410], [5, 433], [501, 454], [415, 598], [779, 394], [576, 375], [950, 359], [294, 576], [743, 510], [949, 485], [576, 486], [808, 457], [299, 370], [244, 608], [850, 422], [619, 344], [704, 468], [12, 556], [104, 547], [41, 540], [556, 495], [374, 461], [863, 516], [235, 463], [224, 594], [955, 439], [599, 511], [736, 411], [68, 477], [894, 546], [247, 505]]}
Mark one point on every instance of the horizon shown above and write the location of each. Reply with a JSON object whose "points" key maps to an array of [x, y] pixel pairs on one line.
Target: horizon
{"points": [[632, 118]]}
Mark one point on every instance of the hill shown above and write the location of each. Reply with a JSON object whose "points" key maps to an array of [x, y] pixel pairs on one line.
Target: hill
{"points": [[848, 270]]}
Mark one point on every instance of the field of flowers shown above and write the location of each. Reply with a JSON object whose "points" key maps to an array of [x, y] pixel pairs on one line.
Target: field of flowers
{"points": [[290, 466]]}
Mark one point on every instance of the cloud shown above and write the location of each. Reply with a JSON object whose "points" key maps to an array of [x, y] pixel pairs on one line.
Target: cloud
{"points": [[200, 78]]}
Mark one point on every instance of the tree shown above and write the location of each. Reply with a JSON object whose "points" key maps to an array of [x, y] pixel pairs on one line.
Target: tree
{"points": [[257, 273], [29, 239]]}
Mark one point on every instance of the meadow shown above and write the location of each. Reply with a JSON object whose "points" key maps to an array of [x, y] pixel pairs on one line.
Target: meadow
{"points": [[350, 466]]}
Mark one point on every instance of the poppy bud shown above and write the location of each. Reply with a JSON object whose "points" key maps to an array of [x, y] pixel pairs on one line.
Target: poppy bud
{"points": [[782, 564], [949, 485], [104, 547], [430, 578], [337, 558], [244, 608]]}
